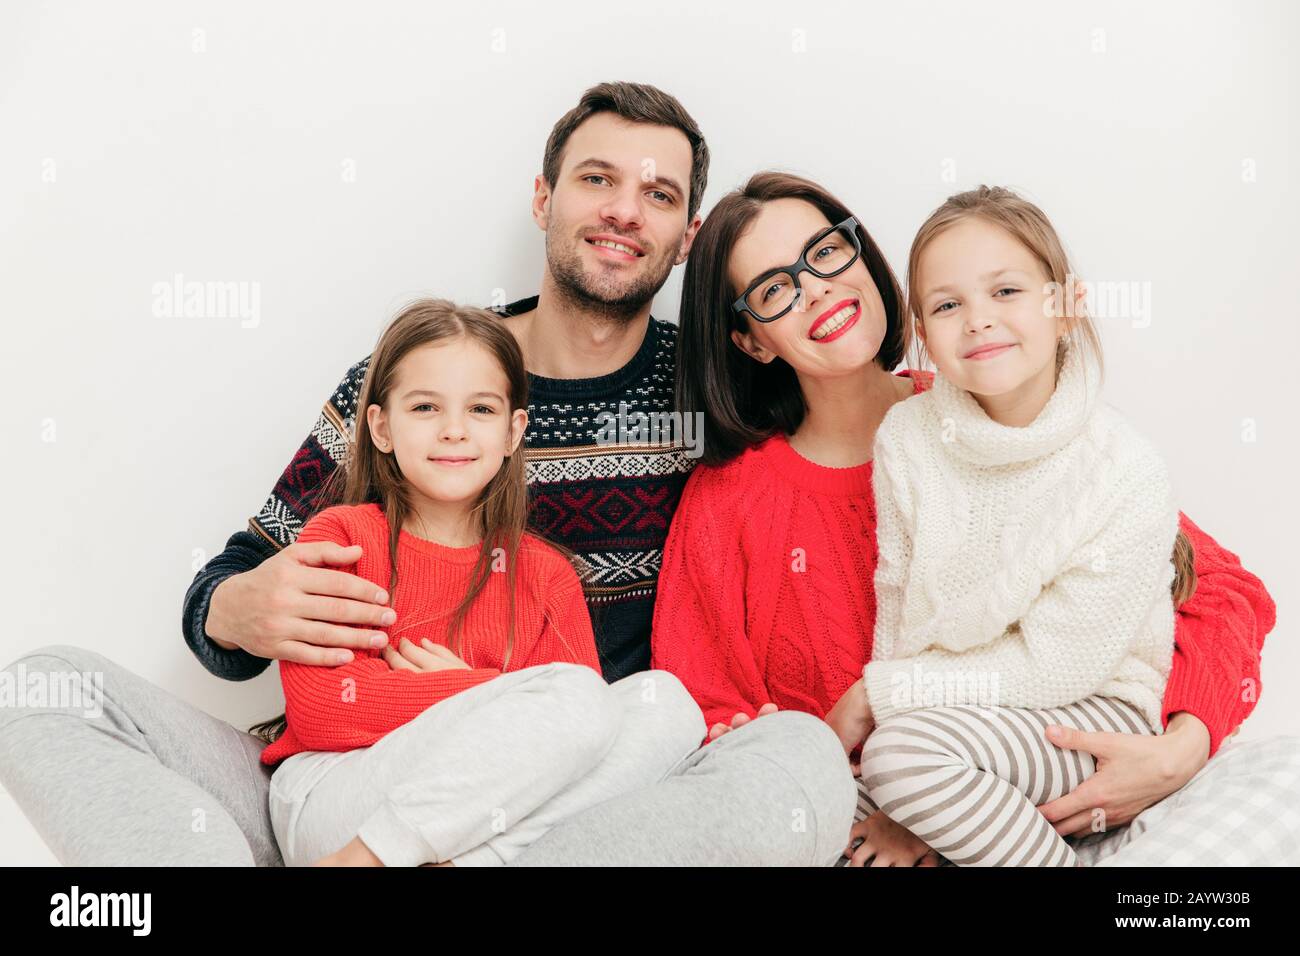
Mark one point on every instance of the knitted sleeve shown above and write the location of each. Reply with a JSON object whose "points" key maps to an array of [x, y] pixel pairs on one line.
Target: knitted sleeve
{"points": [[698, 631], [243, 552], [894, 531], [275, 526], [355, 704], [566, 629], [1218, 637], [1082, 625], [299, 492]]}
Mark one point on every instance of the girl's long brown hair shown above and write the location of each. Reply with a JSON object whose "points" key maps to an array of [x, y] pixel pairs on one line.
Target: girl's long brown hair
{"points": [[369, 475], [1030, 226]]}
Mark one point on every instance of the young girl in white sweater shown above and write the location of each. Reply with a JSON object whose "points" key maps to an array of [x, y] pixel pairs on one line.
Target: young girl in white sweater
{"points": [[1025, 535]]}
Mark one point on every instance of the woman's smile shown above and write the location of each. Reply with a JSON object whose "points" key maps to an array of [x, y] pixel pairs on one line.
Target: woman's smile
{"points": [[835, 321]]}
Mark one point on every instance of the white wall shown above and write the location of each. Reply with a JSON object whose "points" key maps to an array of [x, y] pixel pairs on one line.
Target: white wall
{"points": [[1130, 124]]}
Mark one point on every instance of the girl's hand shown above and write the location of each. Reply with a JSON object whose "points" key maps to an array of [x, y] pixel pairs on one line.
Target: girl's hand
{"points": [[355, 853], [887, 843], [1134, 771], [426, 657], [718, 729], [851, 718]]}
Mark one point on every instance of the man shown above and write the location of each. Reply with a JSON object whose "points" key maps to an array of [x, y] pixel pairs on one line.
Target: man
{"points": [[155, 781]]}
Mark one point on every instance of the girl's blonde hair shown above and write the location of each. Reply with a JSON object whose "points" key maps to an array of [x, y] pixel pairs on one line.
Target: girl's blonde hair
{"points": [[368, 475], [1028, 224]]}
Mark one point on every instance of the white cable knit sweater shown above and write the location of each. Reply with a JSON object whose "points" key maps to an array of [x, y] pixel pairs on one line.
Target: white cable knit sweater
{"points": [[1020, 567]]}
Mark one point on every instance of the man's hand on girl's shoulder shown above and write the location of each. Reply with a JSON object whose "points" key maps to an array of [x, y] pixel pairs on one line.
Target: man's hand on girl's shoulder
{"points": [[297, 606]]}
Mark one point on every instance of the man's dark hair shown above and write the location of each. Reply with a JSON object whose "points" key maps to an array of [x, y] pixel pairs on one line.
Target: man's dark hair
{"points": [[636, 103]]}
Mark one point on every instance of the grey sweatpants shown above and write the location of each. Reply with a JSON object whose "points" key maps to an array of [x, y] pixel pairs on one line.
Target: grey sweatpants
{"points": [[151, 780], [477, 777]]}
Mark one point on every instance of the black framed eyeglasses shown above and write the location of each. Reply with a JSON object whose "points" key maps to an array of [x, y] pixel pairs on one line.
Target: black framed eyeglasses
{"points": [[777, 291]]}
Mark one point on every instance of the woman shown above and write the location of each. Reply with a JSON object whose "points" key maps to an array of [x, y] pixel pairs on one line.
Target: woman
{"points": [[765, 596]]}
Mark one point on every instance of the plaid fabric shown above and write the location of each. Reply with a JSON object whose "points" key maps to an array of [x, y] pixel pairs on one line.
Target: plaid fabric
{"points": [[1241, 809]]}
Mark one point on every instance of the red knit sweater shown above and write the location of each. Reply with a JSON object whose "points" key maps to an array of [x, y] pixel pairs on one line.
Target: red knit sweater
{"points": [[767, 594], [355, 704]]}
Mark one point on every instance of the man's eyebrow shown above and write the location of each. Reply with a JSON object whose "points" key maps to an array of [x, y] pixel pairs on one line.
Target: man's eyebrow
{"points": [[594, 163], [424, 391], [669, 182], [597, 163], [984, 278]]}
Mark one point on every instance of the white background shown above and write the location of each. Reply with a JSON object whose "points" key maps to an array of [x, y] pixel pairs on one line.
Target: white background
{"points": [[1134, 126]]}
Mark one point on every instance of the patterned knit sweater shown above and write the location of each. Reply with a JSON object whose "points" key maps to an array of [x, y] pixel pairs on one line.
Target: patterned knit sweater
{"points": [[767, 594], [1020, 567], [355, 704], [610, 503]]}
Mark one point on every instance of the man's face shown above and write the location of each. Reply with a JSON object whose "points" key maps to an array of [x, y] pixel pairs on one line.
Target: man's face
{"points": [[615, 219]]}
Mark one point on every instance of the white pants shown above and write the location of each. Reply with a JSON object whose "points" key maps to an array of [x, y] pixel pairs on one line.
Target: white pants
{"points": [[478, 777]]}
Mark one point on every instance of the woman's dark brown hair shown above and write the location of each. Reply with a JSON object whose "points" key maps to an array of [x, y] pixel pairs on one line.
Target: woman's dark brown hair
{"points": [[370, 476], [744, 401]]}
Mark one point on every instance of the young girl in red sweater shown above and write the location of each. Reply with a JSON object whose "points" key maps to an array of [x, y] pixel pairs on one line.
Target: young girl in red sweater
{"points": [[482, 720]]}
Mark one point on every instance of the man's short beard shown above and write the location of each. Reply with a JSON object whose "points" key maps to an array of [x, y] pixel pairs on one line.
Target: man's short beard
{"points": [[595, 298]]}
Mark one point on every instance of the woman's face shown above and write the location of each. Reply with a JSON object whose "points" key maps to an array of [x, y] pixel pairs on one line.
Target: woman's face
{"points": [[775, 238]]}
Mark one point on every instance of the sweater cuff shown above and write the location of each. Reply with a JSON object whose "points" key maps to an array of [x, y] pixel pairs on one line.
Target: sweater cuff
{"points": [[236, 664], [1196, 691], [888, 693]]}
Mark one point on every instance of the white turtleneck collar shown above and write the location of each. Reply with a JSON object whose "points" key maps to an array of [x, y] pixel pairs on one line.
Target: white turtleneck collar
{"points": [[980, 440]]}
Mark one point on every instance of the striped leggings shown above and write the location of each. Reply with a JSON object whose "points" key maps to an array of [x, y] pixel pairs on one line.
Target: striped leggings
{"points": [[967, 780]]}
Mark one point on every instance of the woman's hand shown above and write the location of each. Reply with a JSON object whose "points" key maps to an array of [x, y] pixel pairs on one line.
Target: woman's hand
{"points": [[428, 656], [1134, 771], [851, 718], [718, 729], [887, 843]]}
